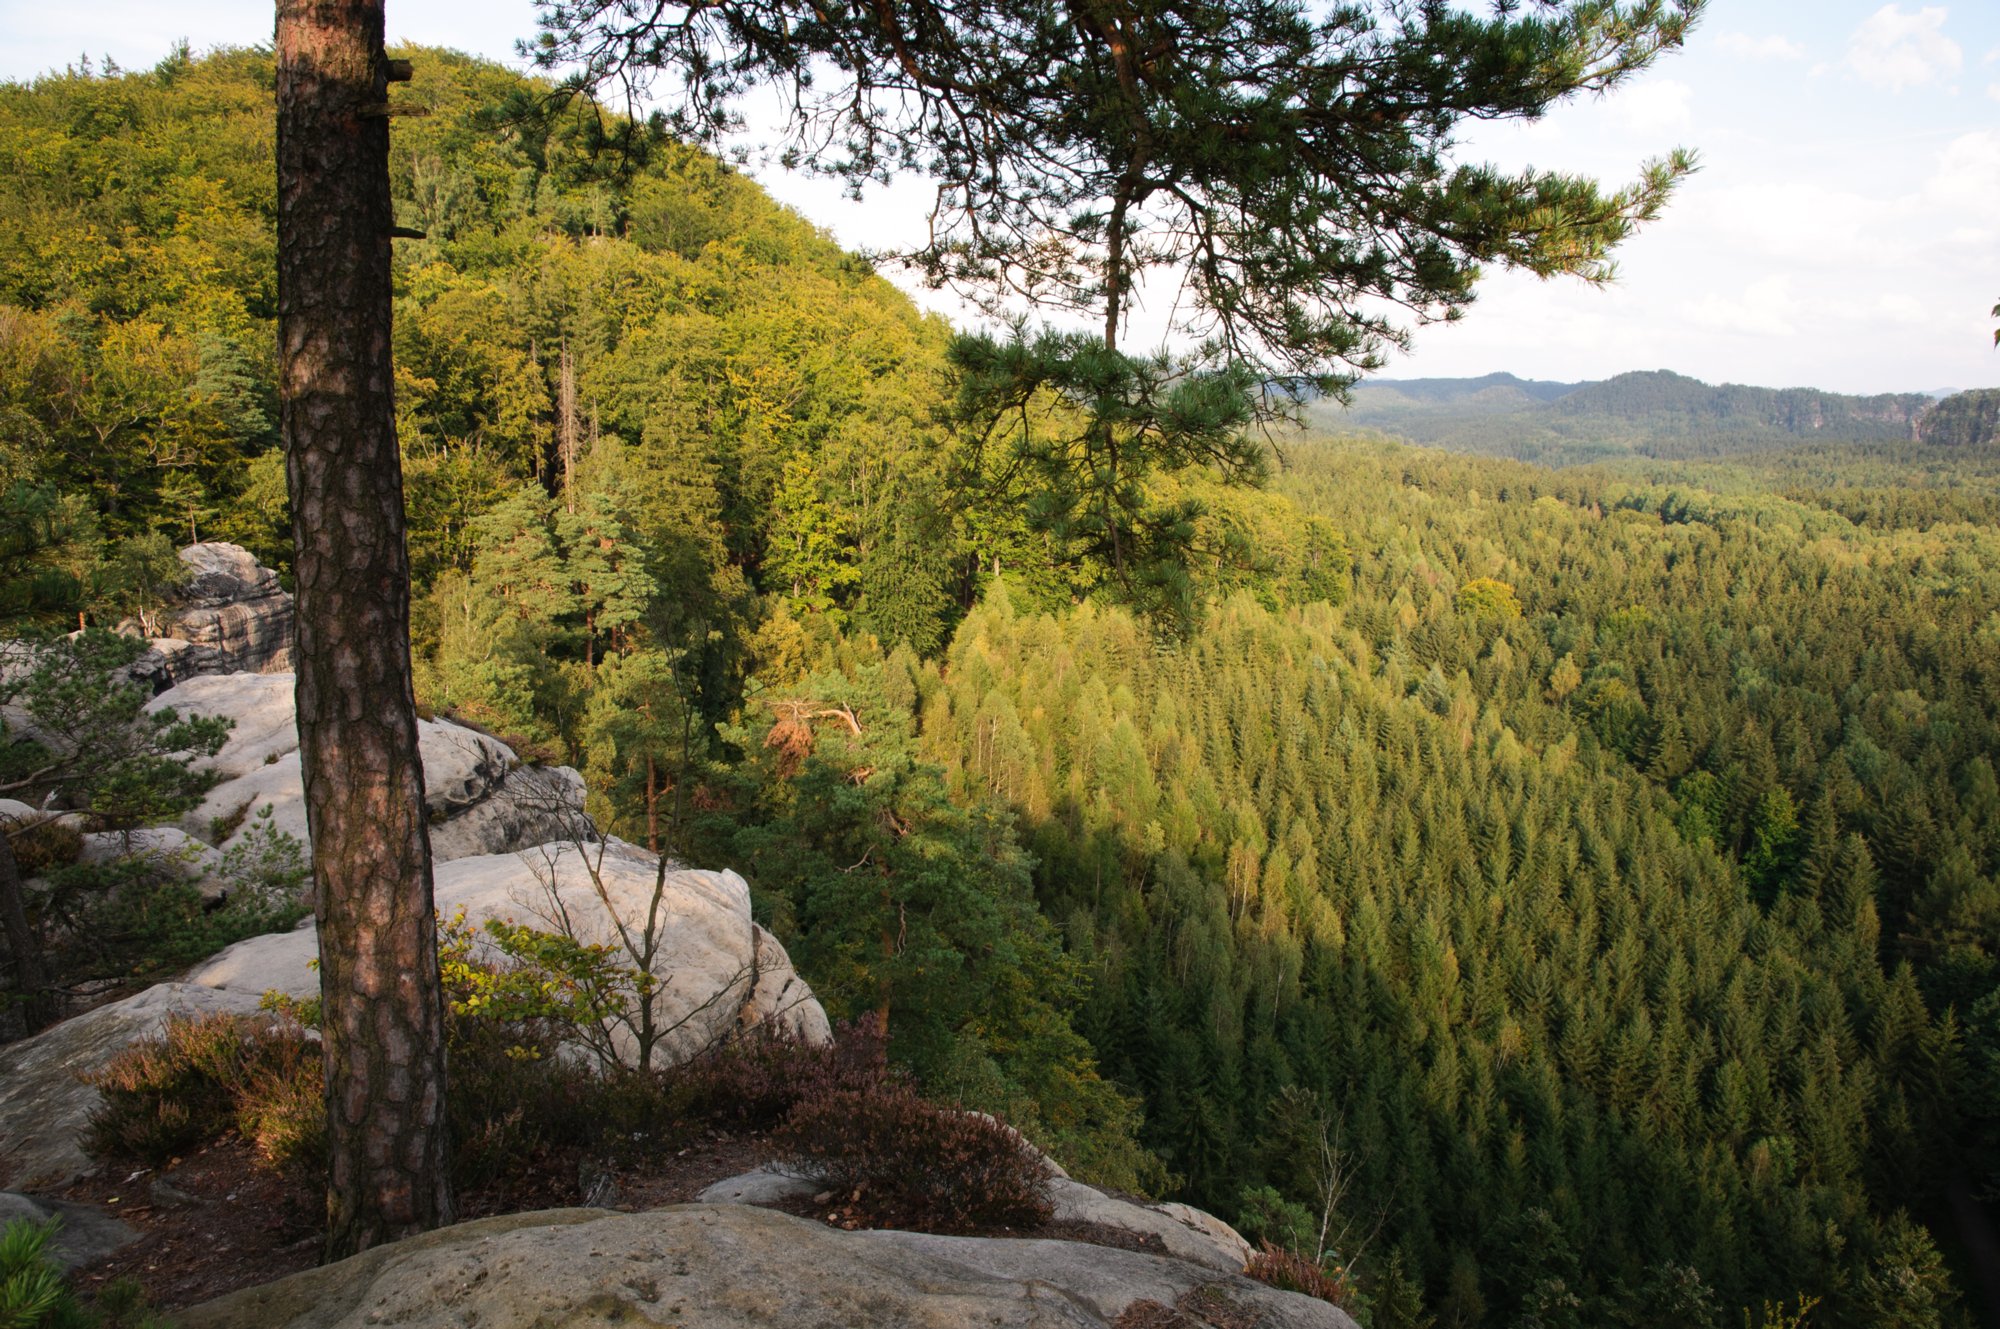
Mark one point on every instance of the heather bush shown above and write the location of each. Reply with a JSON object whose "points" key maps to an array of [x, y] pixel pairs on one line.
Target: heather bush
{"points": [[281, 1108], [43, 843], [1293, 1272], [198, 1079], [754, 1081], [162, 1094], [900, 1161]]}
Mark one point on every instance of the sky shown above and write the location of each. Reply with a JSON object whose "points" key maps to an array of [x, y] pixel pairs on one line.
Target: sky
{"points": [[1843, 231]]}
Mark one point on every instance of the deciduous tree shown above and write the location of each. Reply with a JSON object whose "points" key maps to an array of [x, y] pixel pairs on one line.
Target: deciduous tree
{"points": [[1291, 170]]}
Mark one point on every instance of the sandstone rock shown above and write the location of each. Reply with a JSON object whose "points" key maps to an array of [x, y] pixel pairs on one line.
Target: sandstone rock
{"points": [[1206, 1225], [529, 805], [730, 1266], [1187, 1233], [85, 1234], [273, 795], [768, 1186], [44, 1105], [233, 605], [723, 971], [167, 661], [481, 799], [264, 723]]}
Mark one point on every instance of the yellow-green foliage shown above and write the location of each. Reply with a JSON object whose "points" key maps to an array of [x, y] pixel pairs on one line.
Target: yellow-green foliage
{"points": [[536, 978]]}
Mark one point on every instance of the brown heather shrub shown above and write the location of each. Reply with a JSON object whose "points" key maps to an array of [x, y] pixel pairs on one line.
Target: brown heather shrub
{"points": [[898, 1161], [510, 1092], [41, 843], [1293, 1272], [281, 1108], [188, 1085], [753, 1082]]}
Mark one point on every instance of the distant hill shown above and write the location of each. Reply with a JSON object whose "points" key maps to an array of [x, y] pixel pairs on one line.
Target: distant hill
{"points": [[1653, 413], [1491, 389], [1964, 420]]}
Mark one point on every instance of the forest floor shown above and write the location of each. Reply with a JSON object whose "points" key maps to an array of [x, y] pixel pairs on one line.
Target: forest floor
{"points": [[215, 1221]]}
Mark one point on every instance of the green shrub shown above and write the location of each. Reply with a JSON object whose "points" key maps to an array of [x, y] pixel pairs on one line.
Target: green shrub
{"points": [[1266, 1216], [34, 1296], [900, 1161], [140, 915]]}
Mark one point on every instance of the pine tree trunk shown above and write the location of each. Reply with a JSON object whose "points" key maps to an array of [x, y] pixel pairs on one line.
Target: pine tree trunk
{"points": [[383, 1007], [566, 424], [652, 805], [37, 1002]]}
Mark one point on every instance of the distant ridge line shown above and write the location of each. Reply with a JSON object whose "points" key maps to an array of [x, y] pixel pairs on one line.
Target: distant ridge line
{"points": [[1654, 412]]}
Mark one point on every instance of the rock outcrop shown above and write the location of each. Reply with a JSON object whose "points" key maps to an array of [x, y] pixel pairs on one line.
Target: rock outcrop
{"points": [[44, 1103], [1186, 1233], [83, 1235], [731, 1266], [723, 972], [1963, 420], [482, 799], [230, 616], [511, 841]]}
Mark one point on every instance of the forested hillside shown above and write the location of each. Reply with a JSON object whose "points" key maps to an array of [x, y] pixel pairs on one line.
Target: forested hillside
{"points": [[1557, 898], [1652, 414]]}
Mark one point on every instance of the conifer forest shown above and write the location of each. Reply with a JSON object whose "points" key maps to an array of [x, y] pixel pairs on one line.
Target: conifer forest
{"points": [[1570, 894]]}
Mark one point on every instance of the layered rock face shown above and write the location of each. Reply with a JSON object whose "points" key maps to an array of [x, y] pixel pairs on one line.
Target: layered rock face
{"points": [[231, 616], [734, 1267]]}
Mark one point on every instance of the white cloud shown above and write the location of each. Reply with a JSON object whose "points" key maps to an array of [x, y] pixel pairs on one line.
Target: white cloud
{"points": [[1796, 222], [1764, 309], [1993, 91], [1900, 307], [1652, 107], [1772, 47], [1967, 179], [1893, 50]]}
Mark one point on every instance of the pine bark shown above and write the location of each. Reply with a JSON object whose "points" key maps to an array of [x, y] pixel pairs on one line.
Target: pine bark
{"points": [[35, 998], [382, 1003]]}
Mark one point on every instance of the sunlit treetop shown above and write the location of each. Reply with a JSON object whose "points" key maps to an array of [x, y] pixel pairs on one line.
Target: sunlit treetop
{"points": [[1295, 164]]}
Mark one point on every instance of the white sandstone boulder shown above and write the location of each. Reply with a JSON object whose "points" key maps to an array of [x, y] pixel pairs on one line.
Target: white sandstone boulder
{"points": [[722, 971], [44, 1103], [481, 798], [733, 1267]]}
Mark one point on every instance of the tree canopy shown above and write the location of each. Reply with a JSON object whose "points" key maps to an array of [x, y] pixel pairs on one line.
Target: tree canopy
{"points": [[1293, 174], [1295, 169]]}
